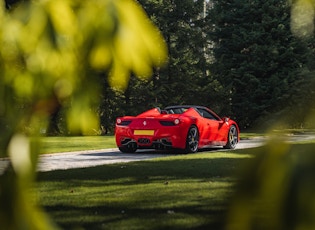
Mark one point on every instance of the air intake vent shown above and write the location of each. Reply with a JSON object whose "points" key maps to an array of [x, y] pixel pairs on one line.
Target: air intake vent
{"points": [[167, 123], [125, 123]]}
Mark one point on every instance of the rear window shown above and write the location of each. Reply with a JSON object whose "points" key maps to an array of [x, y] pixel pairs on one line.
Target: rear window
{"points": [[176, 110]]}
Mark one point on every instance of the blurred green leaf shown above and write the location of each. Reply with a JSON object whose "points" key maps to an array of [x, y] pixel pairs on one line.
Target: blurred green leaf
{"points": [[51, 54], [302, 18], [276, 190]]}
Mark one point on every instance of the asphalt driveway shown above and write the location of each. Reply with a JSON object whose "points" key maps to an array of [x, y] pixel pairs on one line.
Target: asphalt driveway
{"points": [[82, 159]]}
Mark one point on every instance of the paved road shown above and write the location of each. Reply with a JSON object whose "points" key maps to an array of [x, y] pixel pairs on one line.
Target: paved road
{"points": [[109, 156], [91, 158]]}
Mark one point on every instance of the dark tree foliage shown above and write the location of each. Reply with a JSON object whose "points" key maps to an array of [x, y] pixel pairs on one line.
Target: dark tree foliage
{"points": [[257, 59], [237, 57], [185, 80]]}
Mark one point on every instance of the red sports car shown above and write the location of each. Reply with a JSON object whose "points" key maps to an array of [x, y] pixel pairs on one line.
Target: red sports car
{"points": [[182, 127]]}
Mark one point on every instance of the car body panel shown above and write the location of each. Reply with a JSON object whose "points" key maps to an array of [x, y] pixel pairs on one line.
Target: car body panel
{"points": [[168, 129]]}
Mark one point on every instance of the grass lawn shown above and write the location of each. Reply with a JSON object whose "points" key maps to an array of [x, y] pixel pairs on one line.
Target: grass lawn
{"points": [[68, 144], [178, 192], [189, 191]]}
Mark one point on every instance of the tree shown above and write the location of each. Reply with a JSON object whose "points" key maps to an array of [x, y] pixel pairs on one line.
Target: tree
{"points": [[257, 58], [186, 79], [51, 54], [277, 189]]}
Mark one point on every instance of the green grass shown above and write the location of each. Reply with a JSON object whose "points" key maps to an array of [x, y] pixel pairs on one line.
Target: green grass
{"points": [[174, 192], [248, 135], [177, 192], [69, 144]]}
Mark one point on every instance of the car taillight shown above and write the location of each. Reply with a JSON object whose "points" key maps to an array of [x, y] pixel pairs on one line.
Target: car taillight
{"points": [[170, 123], [122, 122]]}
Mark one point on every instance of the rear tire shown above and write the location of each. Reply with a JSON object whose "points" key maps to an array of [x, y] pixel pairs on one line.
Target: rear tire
{"points": [[192, 140], [128, 149], [232, 138]]}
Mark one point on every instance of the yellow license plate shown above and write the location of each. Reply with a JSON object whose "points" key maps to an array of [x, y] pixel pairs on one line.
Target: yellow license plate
{"points": [[144, 132]]}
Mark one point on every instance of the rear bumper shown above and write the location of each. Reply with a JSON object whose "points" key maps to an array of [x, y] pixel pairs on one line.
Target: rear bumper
{"points": [[162, 138]]}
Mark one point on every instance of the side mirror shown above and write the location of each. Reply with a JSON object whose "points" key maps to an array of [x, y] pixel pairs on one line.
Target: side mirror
{"points": [[226, 119]]}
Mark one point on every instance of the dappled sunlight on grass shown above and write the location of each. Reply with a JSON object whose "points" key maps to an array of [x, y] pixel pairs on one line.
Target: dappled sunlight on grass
{"points": [[180, 191]]}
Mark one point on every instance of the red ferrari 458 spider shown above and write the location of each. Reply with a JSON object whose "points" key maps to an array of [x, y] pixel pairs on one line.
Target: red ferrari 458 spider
{"points": [[182, 127]]}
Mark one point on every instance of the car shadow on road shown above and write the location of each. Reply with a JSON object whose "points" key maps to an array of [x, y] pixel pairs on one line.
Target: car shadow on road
{"points": [[148, 152]]}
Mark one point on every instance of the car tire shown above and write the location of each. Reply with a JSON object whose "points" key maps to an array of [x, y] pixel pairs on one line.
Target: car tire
{"points": [[127, 149], [192, 140], [232, 138]]}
